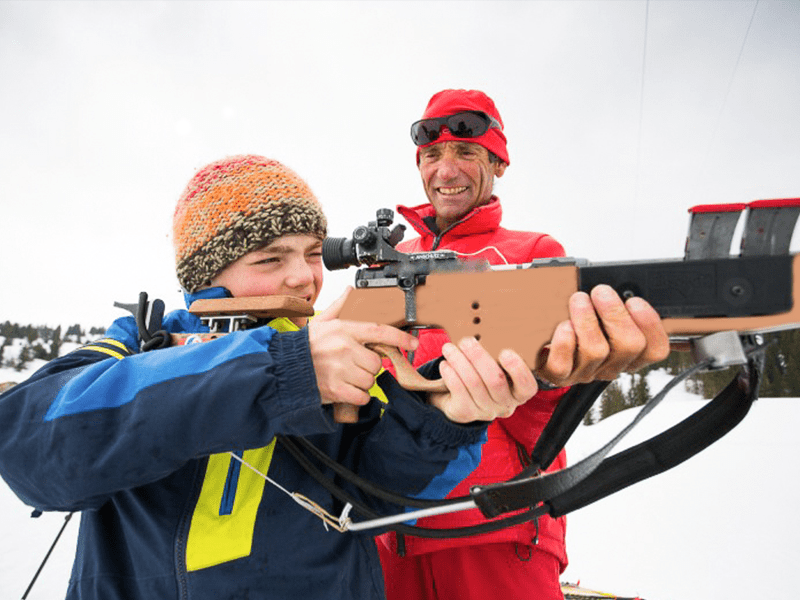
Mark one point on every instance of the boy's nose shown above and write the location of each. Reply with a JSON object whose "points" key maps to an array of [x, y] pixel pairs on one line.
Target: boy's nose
{"points": [[301, 274]]}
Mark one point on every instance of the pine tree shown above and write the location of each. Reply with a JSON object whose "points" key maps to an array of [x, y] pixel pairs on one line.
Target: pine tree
{"points": [[639, 392], [55, 344], [612, 400]]}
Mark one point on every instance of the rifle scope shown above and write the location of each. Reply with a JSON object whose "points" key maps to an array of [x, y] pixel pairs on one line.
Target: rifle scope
{"points": [[371, 244], [338, 253]]}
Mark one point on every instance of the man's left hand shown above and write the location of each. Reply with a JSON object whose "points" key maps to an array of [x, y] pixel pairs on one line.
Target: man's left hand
{"points": [[603, 338]]}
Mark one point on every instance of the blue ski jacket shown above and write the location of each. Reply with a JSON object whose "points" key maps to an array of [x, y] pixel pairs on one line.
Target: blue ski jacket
{"points": [[140, 442]]}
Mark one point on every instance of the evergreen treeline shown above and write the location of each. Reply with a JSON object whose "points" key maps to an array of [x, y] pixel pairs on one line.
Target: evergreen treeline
{"points": [[39, 342], [781, 377]]}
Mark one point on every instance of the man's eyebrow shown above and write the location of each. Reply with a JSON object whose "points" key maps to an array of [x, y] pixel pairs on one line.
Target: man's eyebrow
{"points": [[461, 146]]}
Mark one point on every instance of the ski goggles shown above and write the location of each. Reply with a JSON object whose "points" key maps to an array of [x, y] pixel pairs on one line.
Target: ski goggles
{"points": [[466, 124]]}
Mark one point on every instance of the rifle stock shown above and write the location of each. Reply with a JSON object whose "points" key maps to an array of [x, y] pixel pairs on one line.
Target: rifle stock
{"points": [[520, 308]]}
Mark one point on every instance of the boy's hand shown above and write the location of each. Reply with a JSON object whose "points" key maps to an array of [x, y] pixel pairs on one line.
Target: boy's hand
{"points": [[344, 367], [603, 338], [479, 389]]}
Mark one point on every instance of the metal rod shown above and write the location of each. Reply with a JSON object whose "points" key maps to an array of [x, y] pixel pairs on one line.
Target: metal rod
{"points": [[408, 516]]}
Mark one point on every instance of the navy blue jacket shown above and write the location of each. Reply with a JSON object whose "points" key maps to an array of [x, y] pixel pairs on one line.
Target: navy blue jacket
{"points": [[140, 442]]}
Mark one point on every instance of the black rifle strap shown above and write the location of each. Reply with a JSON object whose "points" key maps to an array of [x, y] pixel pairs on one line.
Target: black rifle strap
{"points": [[596, 476], [500, 498], [564, 421], [666, 450]]}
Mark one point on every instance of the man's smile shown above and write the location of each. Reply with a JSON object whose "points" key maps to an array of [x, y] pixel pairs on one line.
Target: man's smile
{"points": [[451, 191]]}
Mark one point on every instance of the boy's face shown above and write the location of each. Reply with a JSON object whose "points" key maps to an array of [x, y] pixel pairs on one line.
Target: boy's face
{"points": [[289, 266]]}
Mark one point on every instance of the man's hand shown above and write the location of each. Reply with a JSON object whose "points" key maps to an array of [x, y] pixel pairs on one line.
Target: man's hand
{"points": [[481, 389], [603, 338], [344, 367]]}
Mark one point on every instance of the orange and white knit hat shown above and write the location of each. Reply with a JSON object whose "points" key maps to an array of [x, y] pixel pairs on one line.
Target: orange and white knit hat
{"points": [[234, 206]]}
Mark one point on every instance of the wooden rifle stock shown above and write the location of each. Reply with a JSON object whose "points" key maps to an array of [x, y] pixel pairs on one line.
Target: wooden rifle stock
{"points": [[519, 308]]}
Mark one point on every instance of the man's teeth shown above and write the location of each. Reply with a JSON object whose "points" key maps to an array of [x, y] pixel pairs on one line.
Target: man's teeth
{"points": [[452, 190]]}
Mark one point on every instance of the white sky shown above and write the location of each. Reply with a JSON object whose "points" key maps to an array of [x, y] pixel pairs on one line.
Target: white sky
{"points": [[108, 108]]}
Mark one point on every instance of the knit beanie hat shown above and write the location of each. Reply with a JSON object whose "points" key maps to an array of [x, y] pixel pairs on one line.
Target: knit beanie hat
{"points": [[448, 102], [234, 206]]}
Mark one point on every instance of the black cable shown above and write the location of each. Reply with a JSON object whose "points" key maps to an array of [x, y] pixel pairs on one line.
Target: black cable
{"points": [[341, 495], [47, 556], [570, 478]]}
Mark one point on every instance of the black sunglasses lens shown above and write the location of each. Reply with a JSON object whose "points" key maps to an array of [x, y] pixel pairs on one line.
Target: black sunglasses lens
{"points": [[460, 125], [467, 125], [425, 132]]}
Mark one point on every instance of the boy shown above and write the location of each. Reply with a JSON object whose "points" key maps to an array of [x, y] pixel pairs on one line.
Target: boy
{"points": [[142, 442]]}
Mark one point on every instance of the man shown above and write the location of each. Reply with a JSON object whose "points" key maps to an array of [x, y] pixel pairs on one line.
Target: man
{"points": [[461, 148], [148, 444]]}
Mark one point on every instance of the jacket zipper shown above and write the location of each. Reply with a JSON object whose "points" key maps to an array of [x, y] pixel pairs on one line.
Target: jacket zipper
{"points": [[183, 534]]}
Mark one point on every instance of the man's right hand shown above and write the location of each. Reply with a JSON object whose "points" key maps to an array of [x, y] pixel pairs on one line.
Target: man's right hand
{"points": [[345, 368]]}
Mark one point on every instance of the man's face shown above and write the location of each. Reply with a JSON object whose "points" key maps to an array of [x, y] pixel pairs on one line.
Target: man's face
{"points": [[289, 266], [457, 177]]}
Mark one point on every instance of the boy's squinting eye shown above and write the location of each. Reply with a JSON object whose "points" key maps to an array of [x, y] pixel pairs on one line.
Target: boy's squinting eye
{"points": [[265, 260]]}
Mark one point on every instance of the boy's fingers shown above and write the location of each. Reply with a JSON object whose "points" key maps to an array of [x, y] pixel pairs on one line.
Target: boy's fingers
{"points": [[332, 312], [373, 333], [345, 413]]}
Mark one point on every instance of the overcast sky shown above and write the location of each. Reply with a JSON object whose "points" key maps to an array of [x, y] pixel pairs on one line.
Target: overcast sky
{"points": [[620, 116]]}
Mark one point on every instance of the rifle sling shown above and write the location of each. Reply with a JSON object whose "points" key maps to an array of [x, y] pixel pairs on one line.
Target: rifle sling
{"points": [[667, 450], [565, 419], [595, 476]]}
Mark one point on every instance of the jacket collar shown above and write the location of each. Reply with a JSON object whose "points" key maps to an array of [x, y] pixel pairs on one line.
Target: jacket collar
{"points": [[214, 292], [479, 220]]}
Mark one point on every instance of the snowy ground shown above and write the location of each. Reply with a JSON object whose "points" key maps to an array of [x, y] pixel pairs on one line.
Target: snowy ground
{"points": [[722, 526]]}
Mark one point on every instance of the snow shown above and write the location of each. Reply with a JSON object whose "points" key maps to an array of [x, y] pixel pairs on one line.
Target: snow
{"points": [[721, 526]]}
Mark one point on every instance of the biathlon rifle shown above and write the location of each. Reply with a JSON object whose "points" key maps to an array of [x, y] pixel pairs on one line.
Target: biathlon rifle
{"points": [[706, 292], [712, 299], [715, 300]]}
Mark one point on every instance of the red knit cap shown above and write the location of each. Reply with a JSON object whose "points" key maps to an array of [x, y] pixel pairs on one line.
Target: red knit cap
{"points": [[448, 102], [236, 205]]}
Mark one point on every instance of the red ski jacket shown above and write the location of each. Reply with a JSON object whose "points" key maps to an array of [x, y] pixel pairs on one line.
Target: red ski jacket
{"points": [[480, 235]]}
